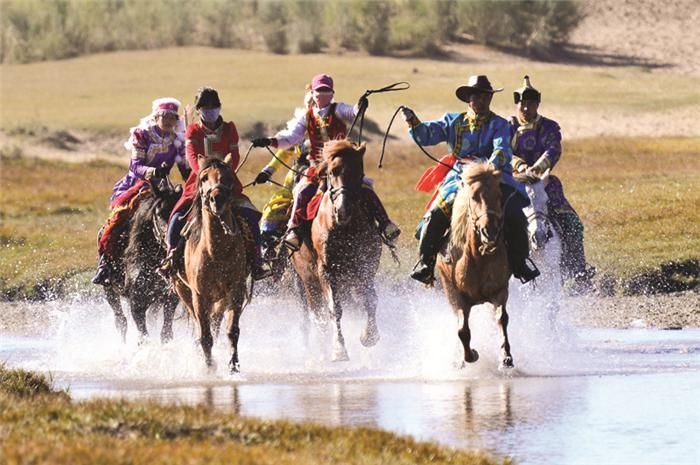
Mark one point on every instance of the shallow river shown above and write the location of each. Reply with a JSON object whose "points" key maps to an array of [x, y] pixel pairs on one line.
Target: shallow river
{"points": [[583, 396]]}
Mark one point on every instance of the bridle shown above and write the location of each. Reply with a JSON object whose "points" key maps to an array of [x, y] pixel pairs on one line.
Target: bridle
{"points": [[206, 196]]}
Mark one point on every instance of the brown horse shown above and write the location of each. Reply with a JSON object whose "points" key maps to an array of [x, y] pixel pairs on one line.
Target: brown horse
{"points": [[477, 269], [342, 255], [214, 279]]}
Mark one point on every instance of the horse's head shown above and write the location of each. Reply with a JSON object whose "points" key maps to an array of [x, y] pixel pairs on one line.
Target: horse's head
{"points": [[166, 196], [539, 226], [215, 183], [484, 205], [344, 168]]}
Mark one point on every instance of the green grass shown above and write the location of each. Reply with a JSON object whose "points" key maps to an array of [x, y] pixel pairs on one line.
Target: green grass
{"points": [[638, 200], [112, 91], [43, 426]]}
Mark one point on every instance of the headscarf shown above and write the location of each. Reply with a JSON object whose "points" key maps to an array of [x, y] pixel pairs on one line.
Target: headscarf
{"points": [[159, 107]]}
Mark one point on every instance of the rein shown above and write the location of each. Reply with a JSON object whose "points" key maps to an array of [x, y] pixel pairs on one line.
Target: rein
{"points": [[413, 136]]}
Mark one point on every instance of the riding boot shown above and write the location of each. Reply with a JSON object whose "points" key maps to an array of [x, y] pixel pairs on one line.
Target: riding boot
{"points": [[172, 257], [387, 227], [515, 233], [259, 269], [434, 229], [104, 271], [269, 240], [573, 256]]}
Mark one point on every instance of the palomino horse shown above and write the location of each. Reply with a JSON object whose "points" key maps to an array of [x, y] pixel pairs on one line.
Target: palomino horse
{"points": [[342, 255], [545, 244], [477, 270], [214, 278], [135, 275]]}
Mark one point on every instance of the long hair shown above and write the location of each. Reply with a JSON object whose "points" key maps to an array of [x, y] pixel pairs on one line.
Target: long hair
{"points": [[473, 172]]}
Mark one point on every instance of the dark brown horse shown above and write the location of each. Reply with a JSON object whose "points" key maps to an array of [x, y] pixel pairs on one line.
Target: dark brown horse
{"points": [[214, 280], [135, 274], [341, 257], [477, 271]]}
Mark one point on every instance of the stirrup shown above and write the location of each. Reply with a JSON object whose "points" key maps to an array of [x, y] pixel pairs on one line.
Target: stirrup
{"points": [[424, 273], [293, 246]]}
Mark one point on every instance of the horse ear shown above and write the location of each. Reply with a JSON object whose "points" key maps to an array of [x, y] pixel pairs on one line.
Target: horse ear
{"points": [[496, 173], [228, 158], [200, 160]]}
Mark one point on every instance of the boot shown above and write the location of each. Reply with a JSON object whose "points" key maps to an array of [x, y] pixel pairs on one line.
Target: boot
{"points": [[168, 265], [433, 231], [523, 271], [260, 269], [391, 232], [269, 241], [104, 271]]}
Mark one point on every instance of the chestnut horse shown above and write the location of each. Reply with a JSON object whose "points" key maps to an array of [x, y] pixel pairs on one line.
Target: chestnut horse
{"points": [[341, 257], [477, 270], [214, 278]]}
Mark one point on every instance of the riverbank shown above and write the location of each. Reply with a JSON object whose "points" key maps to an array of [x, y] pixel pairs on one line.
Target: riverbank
{"points": [[41, 425]]}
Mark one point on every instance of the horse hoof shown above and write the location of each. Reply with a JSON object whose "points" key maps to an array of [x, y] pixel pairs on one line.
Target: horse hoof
{"points": [[234, 368], [472, 357], [506, 363], [370, 338]]}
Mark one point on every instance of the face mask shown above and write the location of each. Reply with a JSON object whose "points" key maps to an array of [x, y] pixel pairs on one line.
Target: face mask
{"points": [[209, 116]]}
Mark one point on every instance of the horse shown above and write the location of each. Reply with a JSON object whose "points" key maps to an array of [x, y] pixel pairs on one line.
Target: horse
{"points": [[213, 282], [341, 255], [476, 268], [545, 243], [135, 275]]}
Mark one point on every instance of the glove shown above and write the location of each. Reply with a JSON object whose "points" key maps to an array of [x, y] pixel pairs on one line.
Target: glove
{"points": [[262, 177], [407, 114], [262, 142], [362, 104], [160, 172]]}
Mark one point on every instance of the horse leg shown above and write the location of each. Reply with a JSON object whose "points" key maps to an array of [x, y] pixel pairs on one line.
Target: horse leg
{"points": [[465, 334], [169, 305], [370, 336], [138, 312], [340, 354], [119, 317], [202, 307], [502, 315], [233, 331]]}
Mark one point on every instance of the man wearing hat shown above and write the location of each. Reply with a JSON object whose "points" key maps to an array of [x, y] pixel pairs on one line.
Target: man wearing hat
{"points": [[536, 144], [323, 120], [476, 134]]}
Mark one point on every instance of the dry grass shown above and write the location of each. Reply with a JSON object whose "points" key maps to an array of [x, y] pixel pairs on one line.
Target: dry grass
{"points": [[637, 197], [42, 426]]}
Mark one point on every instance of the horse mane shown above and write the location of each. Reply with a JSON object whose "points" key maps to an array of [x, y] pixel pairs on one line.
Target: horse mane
{"points": [[141, 231], [473, 172], [339, 148]]}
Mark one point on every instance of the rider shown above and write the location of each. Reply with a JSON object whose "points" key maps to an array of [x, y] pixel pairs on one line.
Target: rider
{"points": [[477, 134], [536, 143], [156, 144], [321, 121], [213, 137]]}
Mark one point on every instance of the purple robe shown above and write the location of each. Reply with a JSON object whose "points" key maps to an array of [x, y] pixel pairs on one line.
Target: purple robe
{"points": [[150, 148], [538, 145]]}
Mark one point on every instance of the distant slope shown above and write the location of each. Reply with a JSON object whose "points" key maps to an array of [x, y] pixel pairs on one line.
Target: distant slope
{"points": [[664, 34]]}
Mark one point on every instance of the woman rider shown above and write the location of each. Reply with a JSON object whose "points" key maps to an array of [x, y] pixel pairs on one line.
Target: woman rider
{"points": [[156, 144], [213, 137], [322, 121]]}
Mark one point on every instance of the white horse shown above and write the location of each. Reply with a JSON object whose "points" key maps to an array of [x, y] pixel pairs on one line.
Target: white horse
{"points": [[545, 245]]}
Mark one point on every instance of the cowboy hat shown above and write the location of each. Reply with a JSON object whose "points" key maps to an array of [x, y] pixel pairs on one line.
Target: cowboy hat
{"points": [[477, 83]]}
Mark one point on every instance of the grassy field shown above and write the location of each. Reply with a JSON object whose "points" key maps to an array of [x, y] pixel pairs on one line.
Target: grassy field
{"points": [[112, 91], [40, 425], [634, 220]]}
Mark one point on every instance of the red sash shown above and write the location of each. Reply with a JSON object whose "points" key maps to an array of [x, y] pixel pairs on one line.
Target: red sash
{"points": [[435, 174]]}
